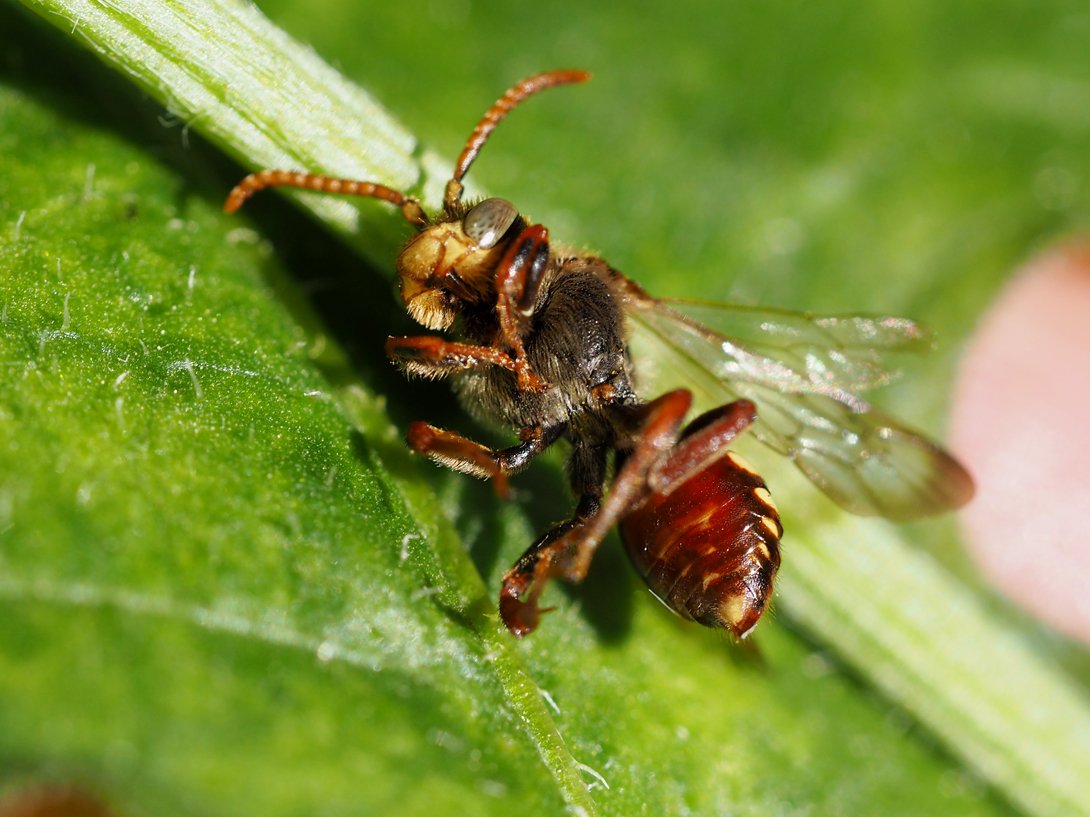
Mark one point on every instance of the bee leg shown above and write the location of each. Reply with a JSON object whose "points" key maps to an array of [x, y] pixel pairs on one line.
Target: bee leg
{"points": [[524, 582], [660, 421], [470, 457], [518, 280], [703, 441], [528, 577], [567, 549], [435, 357]]}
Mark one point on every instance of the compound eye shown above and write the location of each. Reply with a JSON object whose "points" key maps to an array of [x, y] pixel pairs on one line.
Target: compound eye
{"points": [[486, 222]]}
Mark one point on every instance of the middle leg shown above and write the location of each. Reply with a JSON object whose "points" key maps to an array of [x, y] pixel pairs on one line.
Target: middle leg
{"points": [[460, 453]]}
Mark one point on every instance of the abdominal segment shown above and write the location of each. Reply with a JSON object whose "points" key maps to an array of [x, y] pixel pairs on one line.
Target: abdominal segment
{"points": [[710, 548]]}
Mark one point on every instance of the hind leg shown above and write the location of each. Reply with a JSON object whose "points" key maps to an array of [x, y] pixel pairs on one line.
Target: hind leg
{"points": [[567, 549]]}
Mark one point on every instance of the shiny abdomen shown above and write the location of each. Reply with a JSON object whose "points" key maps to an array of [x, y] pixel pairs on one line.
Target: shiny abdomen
{"points": [[710, 548]]}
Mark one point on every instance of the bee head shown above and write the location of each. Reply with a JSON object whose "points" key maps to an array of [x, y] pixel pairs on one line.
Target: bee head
{"points": [[453, 262]]}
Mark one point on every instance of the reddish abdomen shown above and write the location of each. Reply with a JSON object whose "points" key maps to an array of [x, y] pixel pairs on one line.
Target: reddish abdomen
{"points": [[710, 549]]}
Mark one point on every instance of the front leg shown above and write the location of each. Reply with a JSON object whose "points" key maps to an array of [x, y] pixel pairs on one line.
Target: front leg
{"points": [[518, 281], [434, 357], [460, 453]]}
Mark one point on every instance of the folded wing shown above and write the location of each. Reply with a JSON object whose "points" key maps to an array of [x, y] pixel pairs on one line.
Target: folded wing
{"points": [[804, 371]]}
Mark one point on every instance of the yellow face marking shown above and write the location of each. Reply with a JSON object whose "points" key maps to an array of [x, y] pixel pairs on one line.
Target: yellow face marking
{"points": [[772, 526], [766, 498], [742, 464]]}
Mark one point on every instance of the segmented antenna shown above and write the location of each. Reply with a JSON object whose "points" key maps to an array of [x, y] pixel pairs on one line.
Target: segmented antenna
{"points": [[410, 207], [263, 179], [494, 115]]}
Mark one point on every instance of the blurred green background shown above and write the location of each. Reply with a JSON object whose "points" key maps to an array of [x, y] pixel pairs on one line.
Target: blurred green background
{"points": [[224, 586]]}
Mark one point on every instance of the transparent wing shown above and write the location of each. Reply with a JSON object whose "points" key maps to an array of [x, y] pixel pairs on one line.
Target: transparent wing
{"points": [[802, 371], [829, 353]]}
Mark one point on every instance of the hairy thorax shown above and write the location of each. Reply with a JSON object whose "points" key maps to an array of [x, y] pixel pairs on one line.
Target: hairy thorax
{"points": [[575, 343]]}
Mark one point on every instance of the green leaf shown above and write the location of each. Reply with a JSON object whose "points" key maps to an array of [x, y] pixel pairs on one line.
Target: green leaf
{"points": [[226, 588]]}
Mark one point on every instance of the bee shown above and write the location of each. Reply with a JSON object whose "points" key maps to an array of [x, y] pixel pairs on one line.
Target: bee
{"points": [[555, 343]]}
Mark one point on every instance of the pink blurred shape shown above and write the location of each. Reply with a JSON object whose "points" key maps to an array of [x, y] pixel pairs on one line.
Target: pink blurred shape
{"points": [[1021, 422]]}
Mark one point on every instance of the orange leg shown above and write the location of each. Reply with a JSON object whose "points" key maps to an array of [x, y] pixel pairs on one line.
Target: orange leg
{"points": [[704, 440], [470, 457], [518, 279], [433, 356], [567, 550]]}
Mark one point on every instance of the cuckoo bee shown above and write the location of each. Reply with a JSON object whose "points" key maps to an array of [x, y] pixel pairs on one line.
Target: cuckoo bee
{"points": [[555, 343]]}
